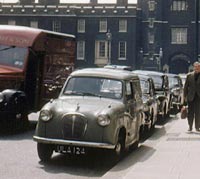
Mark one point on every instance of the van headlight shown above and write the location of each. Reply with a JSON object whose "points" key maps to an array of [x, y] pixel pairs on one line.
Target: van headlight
{"points": [[103, 120], [1, 97], [45, 115]]}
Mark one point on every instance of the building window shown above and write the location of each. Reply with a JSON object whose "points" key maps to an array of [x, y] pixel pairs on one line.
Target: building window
{"points": [[81, 26], [122, 25], [151, 22], [103, 25], [179, 5], [11, 22], [151, 5], [81, 50], [102, 49], [151, 38], [56, 26], [179, 35], [34, 24], [122, 50]]}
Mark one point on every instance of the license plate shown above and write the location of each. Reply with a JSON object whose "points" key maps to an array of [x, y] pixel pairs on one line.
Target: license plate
{"points": [[71, 150]]}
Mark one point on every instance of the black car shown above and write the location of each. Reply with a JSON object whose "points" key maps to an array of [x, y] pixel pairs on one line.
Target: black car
{"points": [[149, 100], [162, 91], [183, 77], [176, 91]]}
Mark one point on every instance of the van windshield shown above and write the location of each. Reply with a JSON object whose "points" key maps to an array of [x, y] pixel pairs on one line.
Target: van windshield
{"points": [[12, 56], [158, 81], [91, 86]]}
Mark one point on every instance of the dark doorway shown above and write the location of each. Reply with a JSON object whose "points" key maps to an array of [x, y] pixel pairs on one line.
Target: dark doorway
{"points": [[179, 65]]}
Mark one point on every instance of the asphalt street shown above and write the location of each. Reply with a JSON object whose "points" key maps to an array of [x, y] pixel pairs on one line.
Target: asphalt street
{"points": [[169, 153]]}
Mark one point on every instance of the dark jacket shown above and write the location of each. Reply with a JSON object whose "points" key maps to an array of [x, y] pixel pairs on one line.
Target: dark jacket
{"points": [[191, 87]]}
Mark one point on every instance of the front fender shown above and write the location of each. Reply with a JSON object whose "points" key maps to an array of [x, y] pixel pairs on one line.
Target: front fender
{"points": [[14, 99]]}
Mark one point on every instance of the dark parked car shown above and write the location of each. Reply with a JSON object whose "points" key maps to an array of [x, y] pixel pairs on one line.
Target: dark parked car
{"points": [[183, 78], [176, 90], [97, 109], [162, 91], [149, 100]]}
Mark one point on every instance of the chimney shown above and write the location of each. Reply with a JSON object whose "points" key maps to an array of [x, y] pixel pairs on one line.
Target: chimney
{"points": [[122, 2], [93, 1], [26, 2], [49, 2]]}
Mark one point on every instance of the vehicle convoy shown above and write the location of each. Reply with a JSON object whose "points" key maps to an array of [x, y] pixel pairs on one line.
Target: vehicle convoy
{"points": [[34, 64], [98, 108], [162, 91], [150, 102]]}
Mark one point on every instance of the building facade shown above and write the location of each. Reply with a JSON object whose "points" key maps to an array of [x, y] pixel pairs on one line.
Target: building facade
{"points": [[170, 31], [159, 35]]}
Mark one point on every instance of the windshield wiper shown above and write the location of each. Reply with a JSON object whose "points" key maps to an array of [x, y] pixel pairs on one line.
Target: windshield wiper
{"points": [[7, 48], [91, 94], [74, 93]]}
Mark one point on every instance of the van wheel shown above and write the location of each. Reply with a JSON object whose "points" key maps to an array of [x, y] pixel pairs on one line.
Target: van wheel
{"points": [[119, 148], [45, 152], [152, 122]]}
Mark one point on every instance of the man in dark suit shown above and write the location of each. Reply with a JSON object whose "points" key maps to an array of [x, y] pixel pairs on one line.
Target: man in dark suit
{"points": [[192, 96]]}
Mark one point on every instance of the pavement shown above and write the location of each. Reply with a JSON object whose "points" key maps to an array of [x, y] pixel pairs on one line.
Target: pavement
{"points": [[170, 153]]}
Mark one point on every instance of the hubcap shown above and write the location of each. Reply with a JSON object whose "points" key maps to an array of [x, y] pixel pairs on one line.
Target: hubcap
{"points": [[118, 148]]}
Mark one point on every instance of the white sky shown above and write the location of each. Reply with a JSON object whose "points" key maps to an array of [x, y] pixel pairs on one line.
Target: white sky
{"points": [[76, 1]]}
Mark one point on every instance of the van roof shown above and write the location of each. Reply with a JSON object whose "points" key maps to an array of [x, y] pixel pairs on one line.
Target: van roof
{"points": [[25, 36], [106, 73]]}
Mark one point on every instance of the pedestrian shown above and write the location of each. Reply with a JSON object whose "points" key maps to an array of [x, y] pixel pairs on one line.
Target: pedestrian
{"points": [[192, 96]]}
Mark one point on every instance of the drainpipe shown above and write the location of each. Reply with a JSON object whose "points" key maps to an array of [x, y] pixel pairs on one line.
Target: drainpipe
{"points": [[197, 28]]}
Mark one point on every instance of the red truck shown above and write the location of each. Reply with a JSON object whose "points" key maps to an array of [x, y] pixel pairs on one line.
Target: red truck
{"points": [[34, 64]]}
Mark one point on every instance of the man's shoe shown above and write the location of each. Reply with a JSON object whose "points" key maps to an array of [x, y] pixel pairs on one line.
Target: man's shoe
{"points": [[190, 129], [198, 130]]}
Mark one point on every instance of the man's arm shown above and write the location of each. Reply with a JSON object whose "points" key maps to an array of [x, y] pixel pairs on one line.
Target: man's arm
{"points": [[185, 91]]}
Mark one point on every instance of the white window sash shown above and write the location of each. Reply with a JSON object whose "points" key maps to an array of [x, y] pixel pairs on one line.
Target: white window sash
{"points": [[123, 25], [122, 50], [80, 50], [81, 25], [103, 26]]}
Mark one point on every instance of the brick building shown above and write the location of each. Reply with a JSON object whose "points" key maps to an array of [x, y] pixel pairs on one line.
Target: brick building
{"points": [[152, 34]]}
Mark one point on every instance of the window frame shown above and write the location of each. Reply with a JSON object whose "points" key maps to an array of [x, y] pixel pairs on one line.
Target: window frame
{"points": [[81, 26], [152, 5], [122, 25], [179, 5], [56, 26], [120, 49], [179, 37], [80, 49], [103, 25], [11, 22], [34, 24]]}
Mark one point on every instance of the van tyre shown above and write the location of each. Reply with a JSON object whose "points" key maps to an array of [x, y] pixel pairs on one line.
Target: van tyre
{"points": [[119, 150], [45, 152]]}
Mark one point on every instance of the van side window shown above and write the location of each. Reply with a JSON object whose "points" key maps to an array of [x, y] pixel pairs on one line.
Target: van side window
{"points": [[136, 89], [129, 91]]}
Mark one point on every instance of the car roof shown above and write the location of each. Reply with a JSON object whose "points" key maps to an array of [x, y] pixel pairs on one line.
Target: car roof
{"points": [[105, 73], [143, 76], [146, 72], [172, 75]]}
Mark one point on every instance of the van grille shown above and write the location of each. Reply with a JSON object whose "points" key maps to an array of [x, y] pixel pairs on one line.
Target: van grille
{"points": [[74, 126]]}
